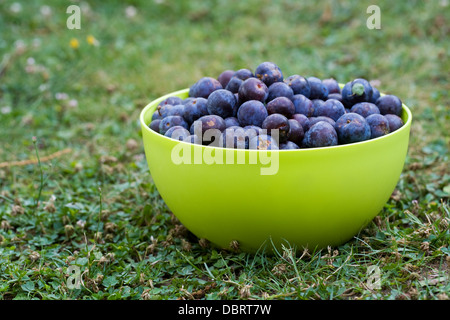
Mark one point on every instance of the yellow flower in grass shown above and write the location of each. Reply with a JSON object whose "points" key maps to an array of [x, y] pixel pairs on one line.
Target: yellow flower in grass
{"points": [[92, 41], [74, 43]]}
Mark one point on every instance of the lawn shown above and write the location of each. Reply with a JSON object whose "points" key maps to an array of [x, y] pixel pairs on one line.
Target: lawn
{"points": [[77, 199]]}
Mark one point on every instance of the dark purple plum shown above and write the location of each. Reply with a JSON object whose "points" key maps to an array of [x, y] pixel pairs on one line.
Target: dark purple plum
{"points": [[279, 89], [187, 100], [263, 142], [237, 137], [154, 125], [332, 85], [252, 112], [297, 133], [317, 103], [390, 104], [209, 122], [395, 122], [195, 108], [234, 85], [225, 77], [194, 139], [358, 90], [379, 125], [237, 79], [313, 120], [268, 72], [174, 100], [204, 87], [256, 129], [302, 120], [209, 126], [336, 96], [177, 133], [303, 105], [172, 110], [365, 109], [280, 123], [231, 122], [352, 127], [331, 108], [156, 116], [171, 121], [321, 134], [318, 89], [375, 95], [299, 85], [244, 74], [289, 145], [222, 103], [253, 89], [281, 105]]}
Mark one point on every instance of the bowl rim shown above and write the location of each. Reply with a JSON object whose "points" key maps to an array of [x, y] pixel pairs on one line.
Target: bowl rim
{"points": [[144, 125]]}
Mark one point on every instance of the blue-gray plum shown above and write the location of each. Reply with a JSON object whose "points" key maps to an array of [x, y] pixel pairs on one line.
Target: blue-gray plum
{"points": [[318, 89], [174, 100], [204, 87], [225, 77], [389, 104], [358, 90], [268, 72], [332, 85], [302, 120], [222, 103], [257, 130], [231, 122], [379, 125], [195, 108], [252, 112], [237, 79], [321, 134], [296, 132], [177, 133], [237, 137], [193, 138], [281, 105], [263, 142], [299, 85], [395, 122], [172, 110], [289, 145], [336, 96], [207, 122], [253, 89], [303, 105], [280, 123], [154, 125], [171, 121], [279, 89], [313, 120], [375, 95], [352, 127], [365, 109], [331, 108]]}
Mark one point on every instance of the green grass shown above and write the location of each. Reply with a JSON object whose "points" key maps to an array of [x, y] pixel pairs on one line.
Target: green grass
{"points": [[96, 206]]}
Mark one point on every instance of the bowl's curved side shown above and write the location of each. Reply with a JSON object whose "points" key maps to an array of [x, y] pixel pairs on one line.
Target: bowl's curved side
{"points": [[318, 197]]}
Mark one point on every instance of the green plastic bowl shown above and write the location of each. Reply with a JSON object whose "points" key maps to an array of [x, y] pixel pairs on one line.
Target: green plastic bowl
{"points": [[316, 198]]}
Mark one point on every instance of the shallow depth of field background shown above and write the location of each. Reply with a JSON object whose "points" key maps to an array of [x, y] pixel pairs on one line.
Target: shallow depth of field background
{"points": [[79, 94]]}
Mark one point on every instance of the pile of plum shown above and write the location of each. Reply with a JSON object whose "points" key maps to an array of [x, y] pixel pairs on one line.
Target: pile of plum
{"points": [[264, 110]]}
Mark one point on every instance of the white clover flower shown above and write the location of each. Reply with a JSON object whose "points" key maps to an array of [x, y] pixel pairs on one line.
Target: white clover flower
{"points": [[15, 7], [6, 110], [130, 11], [46, 11]]}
